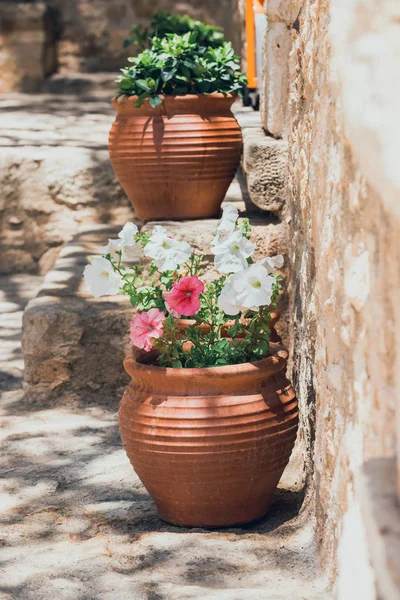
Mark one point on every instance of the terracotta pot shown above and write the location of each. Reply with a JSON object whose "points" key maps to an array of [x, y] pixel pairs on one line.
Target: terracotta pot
{"points": [[176, 161], [210, 445]]}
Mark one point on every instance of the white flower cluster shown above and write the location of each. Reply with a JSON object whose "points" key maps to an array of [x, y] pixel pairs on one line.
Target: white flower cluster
{"points": [[167, 254], [125, 243], [248, 287], [100, 277]]}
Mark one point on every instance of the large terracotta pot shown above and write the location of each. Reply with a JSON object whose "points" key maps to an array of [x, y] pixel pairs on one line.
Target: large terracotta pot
{"points": [[210, 445], [176, 161]]}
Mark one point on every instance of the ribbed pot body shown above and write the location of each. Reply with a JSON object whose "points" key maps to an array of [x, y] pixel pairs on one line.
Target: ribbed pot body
{"points": [[176, 161], [210, 445]]}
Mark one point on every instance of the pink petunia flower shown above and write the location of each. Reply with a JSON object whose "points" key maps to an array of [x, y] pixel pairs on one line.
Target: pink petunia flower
{"points": [[146, 326], [183, 299], [171, 311]]}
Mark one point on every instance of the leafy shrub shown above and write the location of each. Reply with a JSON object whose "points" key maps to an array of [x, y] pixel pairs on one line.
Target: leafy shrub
{"points": [[164, 22], [177, 65]]}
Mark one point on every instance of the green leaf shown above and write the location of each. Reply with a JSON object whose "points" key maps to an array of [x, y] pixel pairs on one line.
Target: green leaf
{"points": [[202, 86], [185, 72], [167, 75], [125, 83], [176, 364], [143, 85], [155, 101], [181, 90], [141, 99]]}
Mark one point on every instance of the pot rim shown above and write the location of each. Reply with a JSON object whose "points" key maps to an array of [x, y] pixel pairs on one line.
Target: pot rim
{"points": [[177, 97], [277, 358], [171, 104]]}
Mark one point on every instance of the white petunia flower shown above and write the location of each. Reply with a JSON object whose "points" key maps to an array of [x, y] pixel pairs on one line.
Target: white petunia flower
{"points": [[166, 252], [227, 298], [101, 278], [112, 248], [227, 223], [231, 253], [131, 249], [272, 262], [246, 290], [125, 243], [254, 287], [127, 234]]}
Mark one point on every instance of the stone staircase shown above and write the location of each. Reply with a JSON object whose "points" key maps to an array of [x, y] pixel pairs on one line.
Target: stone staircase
{"points": [[79, 523]]}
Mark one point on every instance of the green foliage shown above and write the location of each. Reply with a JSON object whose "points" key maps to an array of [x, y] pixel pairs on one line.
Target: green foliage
{"points": [[248, 339], [248, 333], [177, 65], [164, 22]]}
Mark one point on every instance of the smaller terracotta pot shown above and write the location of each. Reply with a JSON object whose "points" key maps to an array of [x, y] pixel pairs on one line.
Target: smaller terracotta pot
{"points": [[176, 161]]}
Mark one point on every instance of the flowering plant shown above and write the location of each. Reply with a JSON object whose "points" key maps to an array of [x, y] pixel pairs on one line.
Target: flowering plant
{"points": [[229, 316]]}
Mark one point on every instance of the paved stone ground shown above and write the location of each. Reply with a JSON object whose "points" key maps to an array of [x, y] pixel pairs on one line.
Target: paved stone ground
{"points": [[78, 525]]}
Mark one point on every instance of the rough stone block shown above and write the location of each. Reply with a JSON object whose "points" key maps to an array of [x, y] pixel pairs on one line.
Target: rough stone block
{"points": [[284, 11], [246, 116], [73, 344], [55, 175], [365, 53], [82, 83], [265, 165], [274, 85]]}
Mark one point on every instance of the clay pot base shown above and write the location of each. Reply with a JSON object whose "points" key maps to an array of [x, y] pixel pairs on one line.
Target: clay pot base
{"points": [[221, 524], [214, 527]]}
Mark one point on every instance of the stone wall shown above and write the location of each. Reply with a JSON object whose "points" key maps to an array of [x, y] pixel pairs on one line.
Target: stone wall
{"points": [[38, 38], [23, 46], [93, 31], [344, 247]]}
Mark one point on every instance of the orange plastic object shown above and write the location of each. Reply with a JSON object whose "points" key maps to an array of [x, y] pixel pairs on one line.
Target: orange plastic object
{"points": [[252, 7]]}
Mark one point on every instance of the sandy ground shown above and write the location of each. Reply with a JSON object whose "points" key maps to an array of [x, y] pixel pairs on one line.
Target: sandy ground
{"points": [[77, 523]]}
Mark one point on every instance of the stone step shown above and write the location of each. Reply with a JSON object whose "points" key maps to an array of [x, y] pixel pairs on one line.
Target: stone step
{"points": [[264, 163], [74, 344], [55, 176]]}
